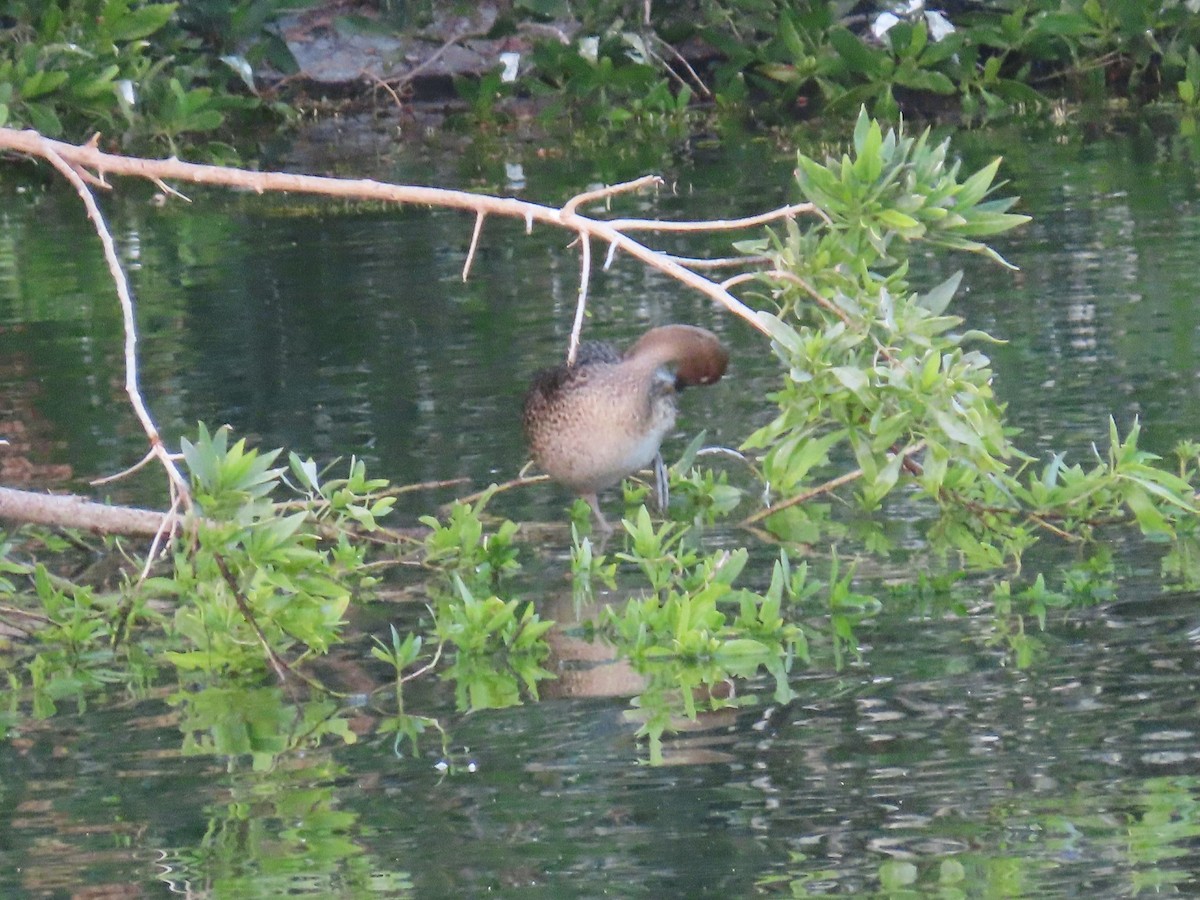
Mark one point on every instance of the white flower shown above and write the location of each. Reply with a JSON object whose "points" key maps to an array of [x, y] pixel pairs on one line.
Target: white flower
{"points": [[883, 23], [512, 64], [939, 25], [127, 92]]}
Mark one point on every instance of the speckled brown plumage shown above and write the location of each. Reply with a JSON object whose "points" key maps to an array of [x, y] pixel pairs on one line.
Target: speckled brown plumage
{"points": [[591, 424]]}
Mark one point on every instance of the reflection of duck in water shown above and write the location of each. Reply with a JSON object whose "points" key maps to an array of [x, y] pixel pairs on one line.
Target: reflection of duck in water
{"points": [[591, 424]]}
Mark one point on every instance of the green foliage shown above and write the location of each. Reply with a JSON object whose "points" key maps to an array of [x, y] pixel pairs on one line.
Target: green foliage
{"points": [[694, 630], [257, 571], [256, 722], [462, 547], [588, 567], [1188, 88], [611, 93], [121, 67], [496, 645], [700, 495], [780, 57], [879, 373], [500, 646]]}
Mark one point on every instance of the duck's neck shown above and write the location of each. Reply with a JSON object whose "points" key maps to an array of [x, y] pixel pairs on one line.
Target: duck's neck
{"points": [[696, 354]]}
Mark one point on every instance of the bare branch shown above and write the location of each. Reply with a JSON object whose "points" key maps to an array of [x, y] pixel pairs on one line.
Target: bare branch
{"points": [[432, 664], [612, 254], [33, 144], [68, 169], [278, 663], [124, 473], [379, 82], [407, 78], [91, 179], [519, 481]]}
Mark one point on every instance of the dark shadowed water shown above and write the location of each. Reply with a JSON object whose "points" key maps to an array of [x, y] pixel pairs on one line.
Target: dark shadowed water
{"points": [[934, 765]]}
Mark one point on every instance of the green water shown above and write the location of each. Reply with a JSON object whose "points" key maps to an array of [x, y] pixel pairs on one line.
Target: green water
{"points": [[931, 765]]}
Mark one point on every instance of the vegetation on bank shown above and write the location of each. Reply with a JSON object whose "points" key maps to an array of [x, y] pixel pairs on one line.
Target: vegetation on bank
{"points": [[884, 404], [198, 72]]}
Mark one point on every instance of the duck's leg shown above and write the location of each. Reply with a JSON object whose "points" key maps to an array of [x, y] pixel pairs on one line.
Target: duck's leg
{"points": [[662, 487], [601, 522]]}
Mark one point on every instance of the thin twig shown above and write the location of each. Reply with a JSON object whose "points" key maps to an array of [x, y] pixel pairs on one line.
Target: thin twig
{"points": [[479, 217], [424, 486], [14, 611], [149, 457], [725, 262], [612, 254], [831, 485], [1054, 529], [379, 82], [167, 189], [165, 531], [666, 67], [91, 179], [702, 88], [585, 274], [425, 668], [278, 663], [608, 191], [821, 300], [740, 279], [519, 481], [803, 497], [437, 54], [784, 212]]}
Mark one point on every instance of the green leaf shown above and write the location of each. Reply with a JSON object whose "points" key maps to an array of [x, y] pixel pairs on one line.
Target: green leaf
{"points": [[858, 55], [976, 187], [921, 80], [1066, 24], [782, 333], [1149, 519], [44, 119], [790, 37], [852, 378], [143, 22], [898, 221], [957, 430], [939, 298], [40, 83]]}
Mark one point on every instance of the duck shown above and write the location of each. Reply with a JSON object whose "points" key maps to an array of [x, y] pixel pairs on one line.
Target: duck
{"points": [[590, 424]]}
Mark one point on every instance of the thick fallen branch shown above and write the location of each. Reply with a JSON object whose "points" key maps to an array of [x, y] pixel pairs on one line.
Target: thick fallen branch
{"points": [[66, 511]]}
